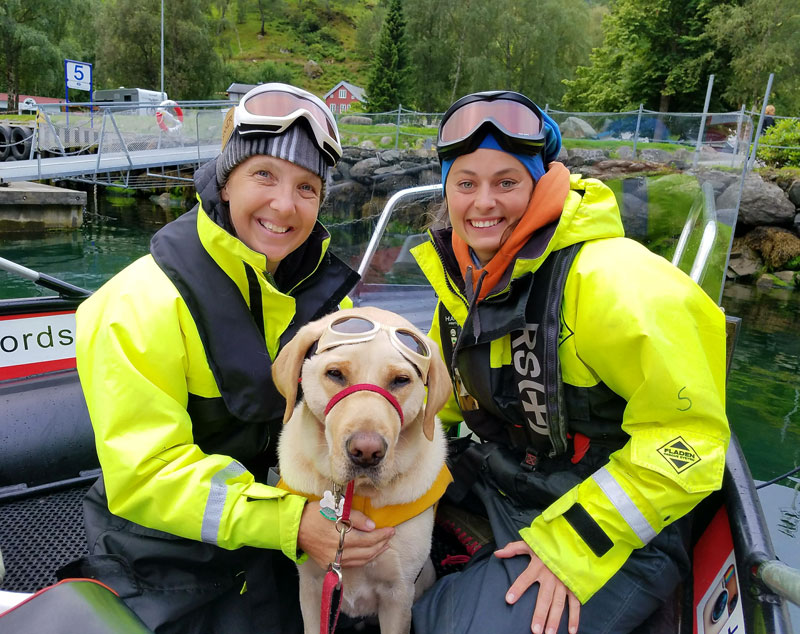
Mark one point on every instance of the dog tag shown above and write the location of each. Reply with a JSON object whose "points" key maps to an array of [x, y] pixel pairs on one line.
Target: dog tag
{"points": [[329, 508]]}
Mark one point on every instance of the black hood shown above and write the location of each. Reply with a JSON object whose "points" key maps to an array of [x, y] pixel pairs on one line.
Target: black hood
{"points": [[205, 183]]}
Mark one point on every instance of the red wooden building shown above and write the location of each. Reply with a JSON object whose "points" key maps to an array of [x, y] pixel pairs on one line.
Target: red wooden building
{"points": [[342, 95]]}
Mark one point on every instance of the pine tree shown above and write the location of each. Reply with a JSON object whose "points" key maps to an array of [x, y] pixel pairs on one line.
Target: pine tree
{"points": [[388, 81]]}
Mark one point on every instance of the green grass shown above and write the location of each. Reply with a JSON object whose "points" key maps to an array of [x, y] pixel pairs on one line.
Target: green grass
{"points": [[597, 144], [17, 118]]}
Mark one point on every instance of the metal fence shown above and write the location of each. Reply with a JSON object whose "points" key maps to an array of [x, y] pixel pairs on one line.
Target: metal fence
{"points": [[128, 127], [721, 138], [127, 130], [727, 134]]}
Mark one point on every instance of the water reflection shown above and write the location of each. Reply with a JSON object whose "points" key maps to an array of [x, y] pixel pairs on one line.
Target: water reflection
{"points": [[763, 389]]}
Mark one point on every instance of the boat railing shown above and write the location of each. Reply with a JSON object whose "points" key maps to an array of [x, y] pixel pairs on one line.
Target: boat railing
{"points": [[705, 203], [64, 289], [402, 196], [781, 579]]}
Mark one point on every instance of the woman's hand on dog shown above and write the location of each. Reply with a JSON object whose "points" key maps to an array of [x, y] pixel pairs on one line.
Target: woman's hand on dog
{"points": [[319, 538], [553, 594]]}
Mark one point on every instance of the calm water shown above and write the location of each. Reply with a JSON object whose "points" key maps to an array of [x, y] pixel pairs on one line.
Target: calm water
{"points": [[763, 387]]}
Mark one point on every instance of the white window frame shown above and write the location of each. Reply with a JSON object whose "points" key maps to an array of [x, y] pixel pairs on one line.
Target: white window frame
{"points": [[342, 93]]}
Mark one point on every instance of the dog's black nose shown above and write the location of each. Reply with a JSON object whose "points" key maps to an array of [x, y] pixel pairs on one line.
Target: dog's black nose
{"points": [[366, 449]]}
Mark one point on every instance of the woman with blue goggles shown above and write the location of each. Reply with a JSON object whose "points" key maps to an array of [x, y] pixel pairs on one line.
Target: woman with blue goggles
{"points": [[591, 371]]}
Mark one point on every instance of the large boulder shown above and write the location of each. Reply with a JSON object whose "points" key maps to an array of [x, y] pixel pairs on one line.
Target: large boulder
{"points": [[576, 128], [312, 70], [761, 204], [363, 170], [352, 119], [344, 198], [582, 156], [794, 193]]}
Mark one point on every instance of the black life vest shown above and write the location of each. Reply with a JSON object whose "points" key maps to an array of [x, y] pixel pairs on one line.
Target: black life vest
{"points": [[526, 405], [250, 410]]}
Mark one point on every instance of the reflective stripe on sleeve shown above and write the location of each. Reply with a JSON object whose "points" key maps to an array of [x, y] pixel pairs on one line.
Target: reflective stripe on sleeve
{"points": [[624, 505], [218, 492]]}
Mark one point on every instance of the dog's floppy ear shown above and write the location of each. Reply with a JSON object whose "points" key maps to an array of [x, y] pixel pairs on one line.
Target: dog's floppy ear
{"points": [[439, 390], [287, 366]]}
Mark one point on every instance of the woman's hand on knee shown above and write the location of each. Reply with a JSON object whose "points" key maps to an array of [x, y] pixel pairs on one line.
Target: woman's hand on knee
{"points": [[553, 594], [318, 537]]}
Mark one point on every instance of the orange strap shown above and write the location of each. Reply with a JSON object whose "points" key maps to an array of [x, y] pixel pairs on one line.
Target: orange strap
{"points": [[393, 514]]}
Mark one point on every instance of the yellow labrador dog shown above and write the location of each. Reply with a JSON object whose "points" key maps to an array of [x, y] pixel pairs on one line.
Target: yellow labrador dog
{"points": [[364, 416]]}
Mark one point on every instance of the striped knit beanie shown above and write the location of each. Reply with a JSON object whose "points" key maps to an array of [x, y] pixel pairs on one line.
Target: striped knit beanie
{"points": [[294, 145]]}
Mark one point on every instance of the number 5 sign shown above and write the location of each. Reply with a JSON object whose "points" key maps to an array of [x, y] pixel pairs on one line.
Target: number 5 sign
{"points": [[78, 75]]}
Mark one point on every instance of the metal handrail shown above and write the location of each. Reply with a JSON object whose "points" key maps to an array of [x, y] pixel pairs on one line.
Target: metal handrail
{"points": [[65, 289], [783, 580], [383, 221], [709, 209]]}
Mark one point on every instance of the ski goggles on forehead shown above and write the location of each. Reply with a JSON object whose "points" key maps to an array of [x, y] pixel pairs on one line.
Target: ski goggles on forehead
{"points": [[514, 120], [358, 329], [273, 108]]}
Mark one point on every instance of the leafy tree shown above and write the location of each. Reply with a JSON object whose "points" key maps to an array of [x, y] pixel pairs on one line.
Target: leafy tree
{"points": [[762, 36], [780, 145], [130, 47], [532, 47], [368, 32], [460, 46], [268, 8], [655, 52], [389, 77], [241, 11], [31, 55]]}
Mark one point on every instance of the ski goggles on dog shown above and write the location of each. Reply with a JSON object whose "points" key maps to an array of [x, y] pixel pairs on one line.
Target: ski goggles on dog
{"points": [[272, 108], [358, 329], [513, 119]]}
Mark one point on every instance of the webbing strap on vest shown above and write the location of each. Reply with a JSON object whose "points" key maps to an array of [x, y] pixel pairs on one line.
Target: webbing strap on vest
{"points": [[235, 348], [534, 354], [531, 314]]}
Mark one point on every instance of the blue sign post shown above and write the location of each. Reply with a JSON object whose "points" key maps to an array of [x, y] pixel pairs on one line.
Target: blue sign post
{"points": [[77, 75]]}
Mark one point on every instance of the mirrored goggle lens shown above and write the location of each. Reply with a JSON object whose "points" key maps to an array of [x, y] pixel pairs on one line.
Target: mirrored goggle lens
{"points": [[352, 326], [412, 342], [514, 117], [281, 104]]}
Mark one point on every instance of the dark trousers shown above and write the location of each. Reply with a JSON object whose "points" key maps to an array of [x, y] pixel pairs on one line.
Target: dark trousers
{"points": [[182, 586], [473, 600]]}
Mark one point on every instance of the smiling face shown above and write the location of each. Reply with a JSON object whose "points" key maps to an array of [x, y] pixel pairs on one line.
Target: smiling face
{"points": [[487, 193], [274, 205]]}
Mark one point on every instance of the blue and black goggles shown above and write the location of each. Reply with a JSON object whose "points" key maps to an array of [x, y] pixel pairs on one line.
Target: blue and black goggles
{"points": [[513, 119]]}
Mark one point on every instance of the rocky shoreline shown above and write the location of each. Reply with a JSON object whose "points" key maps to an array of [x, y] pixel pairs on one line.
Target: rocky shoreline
{"points": [[766, 246]]}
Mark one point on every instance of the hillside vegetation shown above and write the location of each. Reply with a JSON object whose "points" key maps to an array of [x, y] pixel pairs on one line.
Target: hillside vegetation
{"points": [[594, 55], [296, 32]]}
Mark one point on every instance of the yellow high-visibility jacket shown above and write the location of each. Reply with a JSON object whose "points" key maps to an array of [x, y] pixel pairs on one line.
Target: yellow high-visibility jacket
{"points": [[632, 323], [143, 363]]}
